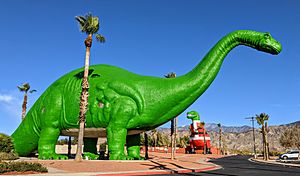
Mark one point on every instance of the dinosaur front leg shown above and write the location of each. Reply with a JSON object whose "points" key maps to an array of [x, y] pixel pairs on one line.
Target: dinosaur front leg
{"points": [[133, 146], [124, 109], [116, 138], [47, 143]]}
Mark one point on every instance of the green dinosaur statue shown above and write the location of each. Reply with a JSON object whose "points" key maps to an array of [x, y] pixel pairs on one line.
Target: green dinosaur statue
{"points": [[193, 115], [121, 101]]}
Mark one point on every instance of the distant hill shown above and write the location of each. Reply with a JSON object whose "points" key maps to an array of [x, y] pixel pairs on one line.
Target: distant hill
{"points": [[214, 127], [240, 137], [293, 123]]}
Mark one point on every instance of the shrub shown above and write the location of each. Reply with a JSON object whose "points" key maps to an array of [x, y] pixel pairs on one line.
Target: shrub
{"points": [[21, 167], [241, 152], [275, 153], [8, 156], [6, 144], [90, 156]]}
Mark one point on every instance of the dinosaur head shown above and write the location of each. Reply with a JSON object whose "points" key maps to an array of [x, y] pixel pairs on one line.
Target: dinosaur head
{"points": [[193, 115], [268, 44]]}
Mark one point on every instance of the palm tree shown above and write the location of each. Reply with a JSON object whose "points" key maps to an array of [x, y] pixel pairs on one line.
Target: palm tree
{"points": [[90, 25], [261, 118], [154, 136], [173, 124], [220, 138], [25, 87]]}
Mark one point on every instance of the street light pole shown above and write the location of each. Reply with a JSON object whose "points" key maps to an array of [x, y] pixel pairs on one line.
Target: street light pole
{"points": [[254, 147]]}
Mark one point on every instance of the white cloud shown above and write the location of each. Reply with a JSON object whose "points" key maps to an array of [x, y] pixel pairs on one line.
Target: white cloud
{"points": [[6, 98], [10, 103]]}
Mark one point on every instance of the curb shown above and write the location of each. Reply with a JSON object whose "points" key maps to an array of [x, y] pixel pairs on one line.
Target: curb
{"points": [[273, 163], [180, 171]]}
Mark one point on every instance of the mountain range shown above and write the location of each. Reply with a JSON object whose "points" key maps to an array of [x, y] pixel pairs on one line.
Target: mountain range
{"points": [[240, 137]]}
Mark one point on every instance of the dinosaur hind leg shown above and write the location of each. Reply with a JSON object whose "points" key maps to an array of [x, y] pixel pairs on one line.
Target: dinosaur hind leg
{"points": [[47, 143], [133, 146], [26, 137]]}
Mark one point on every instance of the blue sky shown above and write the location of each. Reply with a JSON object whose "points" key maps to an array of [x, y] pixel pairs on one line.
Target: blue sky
{"points": [[40, 41]]}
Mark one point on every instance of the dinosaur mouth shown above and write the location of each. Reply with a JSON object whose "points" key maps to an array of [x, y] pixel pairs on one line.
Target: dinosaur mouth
{"points": [[275, 48]]}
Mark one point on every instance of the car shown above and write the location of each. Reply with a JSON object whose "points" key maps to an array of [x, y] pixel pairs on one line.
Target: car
{"points": [[293, 154]]}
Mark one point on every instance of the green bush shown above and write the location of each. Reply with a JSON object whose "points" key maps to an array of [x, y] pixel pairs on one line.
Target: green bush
{"points": [[241, 152], [21, 167], [90, 156], [6, 144], [275, 153], [8, 156]]}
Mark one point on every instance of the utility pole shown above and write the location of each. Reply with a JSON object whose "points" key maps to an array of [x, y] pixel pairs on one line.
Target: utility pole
{"points": [[254, 147]]}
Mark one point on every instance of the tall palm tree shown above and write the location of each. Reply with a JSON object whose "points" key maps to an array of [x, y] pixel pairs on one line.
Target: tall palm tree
{"points": [[261, 118], [25, 87], [220, 138], [90, 25], [173, 124]]}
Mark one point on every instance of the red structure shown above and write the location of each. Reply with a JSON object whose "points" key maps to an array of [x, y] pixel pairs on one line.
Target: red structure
{"points": [[199, 139]]}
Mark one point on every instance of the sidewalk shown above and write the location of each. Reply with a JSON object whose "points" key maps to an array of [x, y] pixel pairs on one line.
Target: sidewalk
{"points": [[276, 162], [159, 163]]}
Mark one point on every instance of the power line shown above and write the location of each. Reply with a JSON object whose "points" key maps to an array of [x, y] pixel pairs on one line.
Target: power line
{"points": [[254, 147]]}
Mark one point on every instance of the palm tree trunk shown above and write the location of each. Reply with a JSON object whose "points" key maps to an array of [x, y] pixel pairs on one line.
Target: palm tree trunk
{"points": [[266, 141], [172, 138], [204, 149], [24, 106], [220, 141], [84, 98], [155, 138], [175, 134]]}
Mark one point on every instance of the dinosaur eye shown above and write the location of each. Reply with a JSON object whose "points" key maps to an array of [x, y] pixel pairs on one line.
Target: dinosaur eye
{"points": [[101, 105], [267, 35]]}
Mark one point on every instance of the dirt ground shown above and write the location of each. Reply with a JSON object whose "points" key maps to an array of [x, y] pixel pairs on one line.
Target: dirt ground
{"points": [[157, 162]]}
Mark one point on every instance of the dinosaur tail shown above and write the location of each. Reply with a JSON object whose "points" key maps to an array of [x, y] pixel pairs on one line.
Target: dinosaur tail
{"points": [[26, 136]]}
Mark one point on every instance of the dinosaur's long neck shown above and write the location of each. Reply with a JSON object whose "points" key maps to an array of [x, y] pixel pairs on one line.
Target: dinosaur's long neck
{"points": [[193, 84], [206, 71]]}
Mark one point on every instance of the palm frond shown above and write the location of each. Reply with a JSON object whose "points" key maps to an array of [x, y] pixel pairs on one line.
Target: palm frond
{"points": [[81, 20], [171, 75], [32, 91], [89, 24], [92, 24], [100, 38], [261, 118], [21, 88], [24, 87]]}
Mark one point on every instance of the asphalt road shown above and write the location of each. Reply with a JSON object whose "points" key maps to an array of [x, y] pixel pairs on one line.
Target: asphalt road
{"points": [[241, 166]]}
